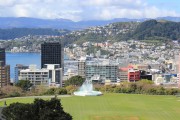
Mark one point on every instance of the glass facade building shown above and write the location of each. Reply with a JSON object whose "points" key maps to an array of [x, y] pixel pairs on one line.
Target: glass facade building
{"points": [[52, 53], [2, 56], [101, 71]]}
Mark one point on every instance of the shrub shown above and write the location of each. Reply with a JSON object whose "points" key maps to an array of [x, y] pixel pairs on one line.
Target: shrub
{"points": [[61, 91], [50, 91], [117, 89], [37, 90], [143, 87], [15, 94], [151, 91], [160, 91], [171, 91], [70, 89], [11, 91]]}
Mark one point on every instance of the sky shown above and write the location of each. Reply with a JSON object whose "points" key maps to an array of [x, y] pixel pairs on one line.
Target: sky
{"points": [[78, 10]]}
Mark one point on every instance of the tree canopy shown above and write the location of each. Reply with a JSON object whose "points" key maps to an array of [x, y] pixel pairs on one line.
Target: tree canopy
{"points": [[75, 80], [39, 110], [24, 84]]}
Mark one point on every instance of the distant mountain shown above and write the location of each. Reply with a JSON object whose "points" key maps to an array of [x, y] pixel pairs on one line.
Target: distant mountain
{"points": [[105, 22], [168, 18], [25, 22], [12, 33]]}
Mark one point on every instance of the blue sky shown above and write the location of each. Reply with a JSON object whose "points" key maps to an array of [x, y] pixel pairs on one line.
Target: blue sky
{"points": [[77, 10]]}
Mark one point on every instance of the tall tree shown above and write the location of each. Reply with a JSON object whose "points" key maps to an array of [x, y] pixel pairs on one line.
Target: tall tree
{"points": [[24, 84], [75, 80]]}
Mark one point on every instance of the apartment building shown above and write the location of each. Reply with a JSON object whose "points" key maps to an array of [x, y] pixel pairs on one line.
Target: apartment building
{"points": [[50, 75]]}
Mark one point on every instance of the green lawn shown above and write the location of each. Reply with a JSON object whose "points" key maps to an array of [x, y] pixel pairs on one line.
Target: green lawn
{"points": [[119, 107]]}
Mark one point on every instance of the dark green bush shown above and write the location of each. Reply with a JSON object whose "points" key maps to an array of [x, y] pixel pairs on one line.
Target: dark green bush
{"points": [[15, 94], [61, 91], [50, 91]]}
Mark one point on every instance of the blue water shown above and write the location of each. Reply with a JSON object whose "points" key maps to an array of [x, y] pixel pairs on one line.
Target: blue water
{"points": [[22, 58]]}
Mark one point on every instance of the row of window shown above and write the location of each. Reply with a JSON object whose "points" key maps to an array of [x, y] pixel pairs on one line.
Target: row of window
{"points": [[45, 73]]}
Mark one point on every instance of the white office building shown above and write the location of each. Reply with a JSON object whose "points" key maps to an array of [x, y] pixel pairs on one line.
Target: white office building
{"points": [[50, 75]]}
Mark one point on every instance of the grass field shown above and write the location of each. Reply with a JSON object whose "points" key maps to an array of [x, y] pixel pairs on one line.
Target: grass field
{"points": [[118, 107]]}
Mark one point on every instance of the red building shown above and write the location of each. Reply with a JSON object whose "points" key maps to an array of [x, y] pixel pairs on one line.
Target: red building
{"points": [[133, 75], [129, 74]]}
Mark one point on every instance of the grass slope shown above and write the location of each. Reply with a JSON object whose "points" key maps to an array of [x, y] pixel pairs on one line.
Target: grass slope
{"points": [[119, 107]]}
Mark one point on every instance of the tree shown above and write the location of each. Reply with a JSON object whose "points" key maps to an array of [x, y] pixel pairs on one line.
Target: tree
{"points": [[18, 111], [24, 84], [75, 80], [39, 110]]}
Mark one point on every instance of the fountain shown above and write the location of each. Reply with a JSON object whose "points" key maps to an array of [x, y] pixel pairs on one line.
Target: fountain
{"points": [[87, 90]]}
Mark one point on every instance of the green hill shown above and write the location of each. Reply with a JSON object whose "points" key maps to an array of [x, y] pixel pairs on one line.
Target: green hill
{"points": [[161, 30], [152, 29]]}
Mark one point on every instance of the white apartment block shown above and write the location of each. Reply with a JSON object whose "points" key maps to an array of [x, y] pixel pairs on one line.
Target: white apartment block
{"points": [[51, 75]]}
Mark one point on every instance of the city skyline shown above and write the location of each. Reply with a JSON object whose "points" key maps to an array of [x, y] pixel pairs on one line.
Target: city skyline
{"points": [[77, 10]]}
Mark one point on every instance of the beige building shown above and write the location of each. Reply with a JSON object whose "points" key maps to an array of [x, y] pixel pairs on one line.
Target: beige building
{"points": [[123, 75], [35, 76]]}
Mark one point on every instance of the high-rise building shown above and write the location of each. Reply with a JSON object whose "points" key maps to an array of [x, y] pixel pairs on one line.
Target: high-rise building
{"points": [[2, 56], [81, 67], [4, 69], [52, 53], [4, 75]]}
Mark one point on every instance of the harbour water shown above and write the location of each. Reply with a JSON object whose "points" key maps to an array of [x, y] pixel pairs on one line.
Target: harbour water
{"points": [[23, 58]]}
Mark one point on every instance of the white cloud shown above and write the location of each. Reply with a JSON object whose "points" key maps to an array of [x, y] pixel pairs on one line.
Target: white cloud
{"points": [[6, 3], [82, 9]]}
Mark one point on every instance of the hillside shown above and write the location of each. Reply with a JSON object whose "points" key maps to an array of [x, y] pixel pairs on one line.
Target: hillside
{"points": [[114, 32], [164, 30], [119, 31], [20, 32], [148, 30]]}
